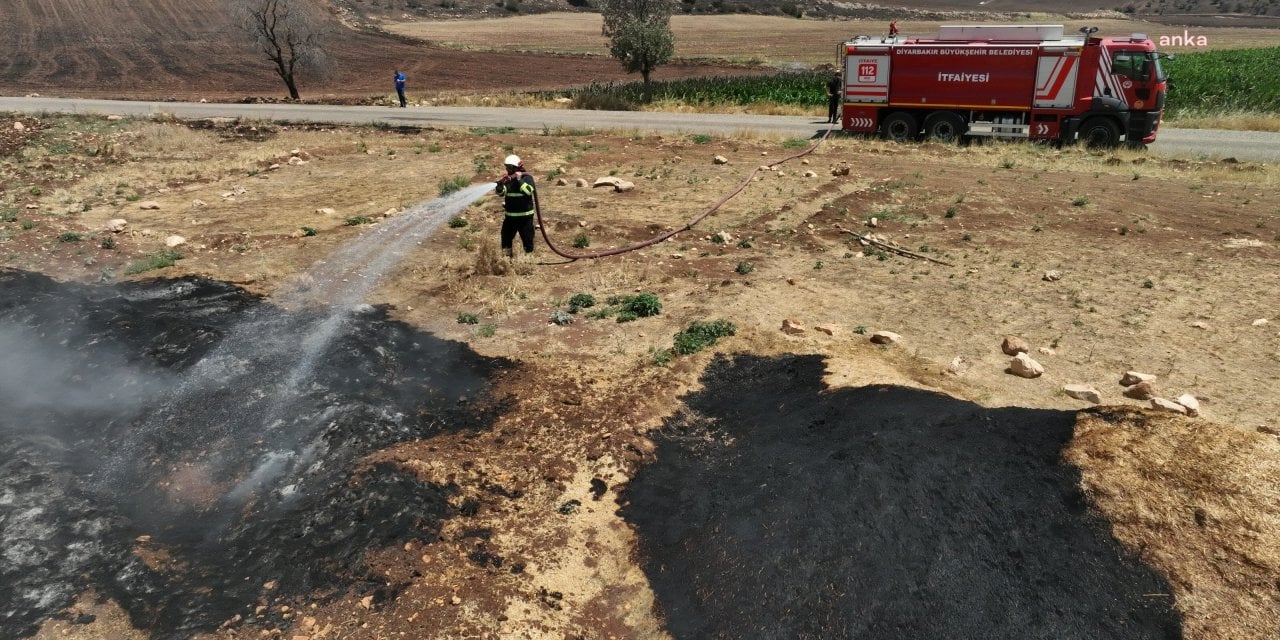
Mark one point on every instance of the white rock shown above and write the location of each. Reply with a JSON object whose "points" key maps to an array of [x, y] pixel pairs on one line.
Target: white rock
{"points": [[1047, 351], [295, 160], [1168, 405], [114, 117], [619, 185], [18, 126], [810, 174], [959, 365], [204, 101], [198, 204], [149, 205], [1200, 324], [327, 211], [174, 241], [564, 100], [1131, 378], [580, 182], [1052, 275], [792, 327], [1190, 402], [723, 237], [1023, 366], [885, 337], [1260, 322], [116, 225], [873, 222], [390, 212], [720, 160], [1083, 392]]}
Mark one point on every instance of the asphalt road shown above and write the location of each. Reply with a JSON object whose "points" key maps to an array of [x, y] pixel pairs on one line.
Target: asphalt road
{"points": [[1187, 143]]}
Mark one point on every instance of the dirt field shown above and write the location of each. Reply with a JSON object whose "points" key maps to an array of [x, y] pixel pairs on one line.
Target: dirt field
{"points": [[758, 39], [1164, 266]]}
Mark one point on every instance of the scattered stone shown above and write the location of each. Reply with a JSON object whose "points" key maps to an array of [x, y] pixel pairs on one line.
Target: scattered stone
{"points": [[259, 610], [1047, 351], [722, 237], [792, 327], [1083, 392], [580, 182], [765, 167], [828, 329], [1162, 404], [958, 366], [619, 185], [791, 281], [143, 539], [367, 602], [1131, 378], [295, 161], [720, 160], [114, 117], [804, 161], [810, 174], [276, 165], [198, 204], [271, 585], [174, 241], [1052, 275], [1260, 322], [297, 233], [1200, 325], [1141, 391], [308, 622], [18, 126], [841, 170], [1190, 402], [885, 337], [33, 206], [561, 182], [390, 212], [1023, 366], [1013, 345], [455, 601], [873, 222], [149, 205], [116, 225], [328, 211]]}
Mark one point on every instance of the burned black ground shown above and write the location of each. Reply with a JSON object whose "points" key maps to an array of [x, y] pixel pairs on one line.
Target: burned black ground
{"points": [[153, 453], [778, 508]]}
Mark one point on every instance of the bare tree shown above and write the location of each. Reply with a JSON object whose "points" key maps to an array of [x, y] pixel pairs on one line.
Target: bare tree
{"points": [[639, 33], [290, 33]]}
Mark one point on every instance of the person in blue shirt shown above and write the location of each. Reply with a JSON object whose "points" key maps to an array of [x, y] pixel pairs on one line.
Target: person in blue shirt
{"points": [[400, 78], [516, 188]]}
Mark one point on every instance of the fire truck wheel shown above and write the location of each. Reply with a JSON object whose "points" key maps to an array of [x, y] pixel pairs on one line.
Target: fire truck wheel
{"points": [[1099, 133], [899, 126], [944, 126]]}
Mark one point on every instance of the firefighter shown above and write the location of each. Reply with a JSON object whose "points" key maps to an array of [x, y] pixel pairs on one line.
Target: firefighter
{"points": [[893, 29], [400, 79], [833, 99], [516, 188]]}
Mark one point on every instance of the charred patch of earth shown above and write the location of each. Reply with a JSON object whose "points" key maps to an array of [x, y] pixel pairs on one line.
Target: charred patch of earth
{"points": [[193, 452], [779, 508]]}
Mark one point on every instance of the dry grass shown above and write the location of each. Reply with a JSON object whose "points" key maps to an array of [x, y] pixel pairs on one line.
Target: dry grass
{"points": [[1243, 121], [1200, 502], [754, 39]]}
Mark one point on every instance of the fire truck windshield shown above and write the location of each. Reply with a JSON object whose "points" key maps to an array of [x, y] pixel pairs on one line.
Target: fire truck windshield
{"points": [[1153, 58]]}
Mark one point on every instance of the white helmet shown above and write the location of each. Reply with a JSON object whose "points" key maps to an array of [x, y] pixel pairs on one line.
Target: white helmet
{"points": [[512, 160]]}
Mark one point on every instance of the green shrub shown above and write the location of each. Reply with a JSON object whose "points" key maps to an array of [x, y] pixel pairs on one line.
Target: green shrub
{"points": [[581, 241], [744, 268], [450, 185], [486, 330], [308, 231], [580, 301], [158, 260], [457, 222], [355, 220], [641, 305], [70, 236], [701, 335], [467, 318], [561, 318]]}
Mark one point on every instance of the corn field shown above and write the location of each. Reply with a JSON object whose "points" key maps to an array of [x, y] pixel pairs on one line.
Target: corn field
{"points": [[1224, 81], [804, 89]]}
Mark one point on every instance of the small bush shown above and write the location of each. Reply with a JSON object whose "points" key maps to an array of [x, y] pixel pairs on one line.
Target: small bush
{"points": [[661, 357], [700, 138], [486, 330], [1080, 202], [70, 236], [356, 220], [744, 244], [28, 225], [744, 268], [581, 301], [951, 212], [795, 143], [308, 231], [451, 185], [467, 318], [581, 241], [108, 243], [701, 335], [561, 318], [1147, 284], [8, 215], [457, 222], [158, 260], [642, 305]]}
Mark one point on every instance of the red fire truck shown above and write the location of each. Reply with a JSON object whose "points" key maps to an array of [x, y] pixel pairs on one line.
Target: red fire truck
{"points": [[1005, 81]]}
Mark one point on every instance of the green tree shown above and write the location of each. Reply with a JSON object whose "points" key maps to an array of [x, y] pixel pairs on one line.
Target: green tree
{"points": [[639, 33], [290, 33]]}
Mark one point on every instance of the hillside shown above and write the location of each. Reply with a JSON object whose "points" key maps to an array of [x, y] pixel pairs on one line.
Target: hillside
{"points": [[190, 49]]}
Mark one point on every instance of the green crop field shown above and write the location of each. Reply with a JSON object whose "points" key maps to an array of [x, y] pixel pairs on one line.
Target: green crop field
{"points": [[1224, 81], [804, 89]]}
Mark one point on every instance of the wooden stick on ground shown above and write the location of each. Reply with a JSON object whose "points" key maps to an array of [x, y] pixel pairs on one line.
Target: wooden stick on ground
{"points": [[897, 250]]}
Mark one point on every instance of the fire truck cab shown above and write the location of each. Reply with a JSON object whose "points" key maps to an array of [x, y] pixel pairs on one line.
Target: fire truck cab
{"points": [[1005, 81]]}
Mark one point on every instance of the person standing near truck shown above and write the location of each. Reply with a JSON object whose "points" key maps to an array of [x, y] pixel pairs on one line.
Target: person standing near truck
{"points": [[833, 98], [400, 79]]}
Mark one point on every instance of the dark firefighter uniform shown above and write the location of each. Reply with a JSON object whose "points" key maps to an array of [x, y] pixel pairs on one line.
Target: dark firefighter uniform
{"points": [[516, 188]]}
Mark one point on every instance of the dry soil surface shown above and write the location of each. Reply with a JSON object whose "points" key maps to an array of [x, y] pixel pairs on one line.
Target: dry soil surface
{"points": [[1163, 266]]}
